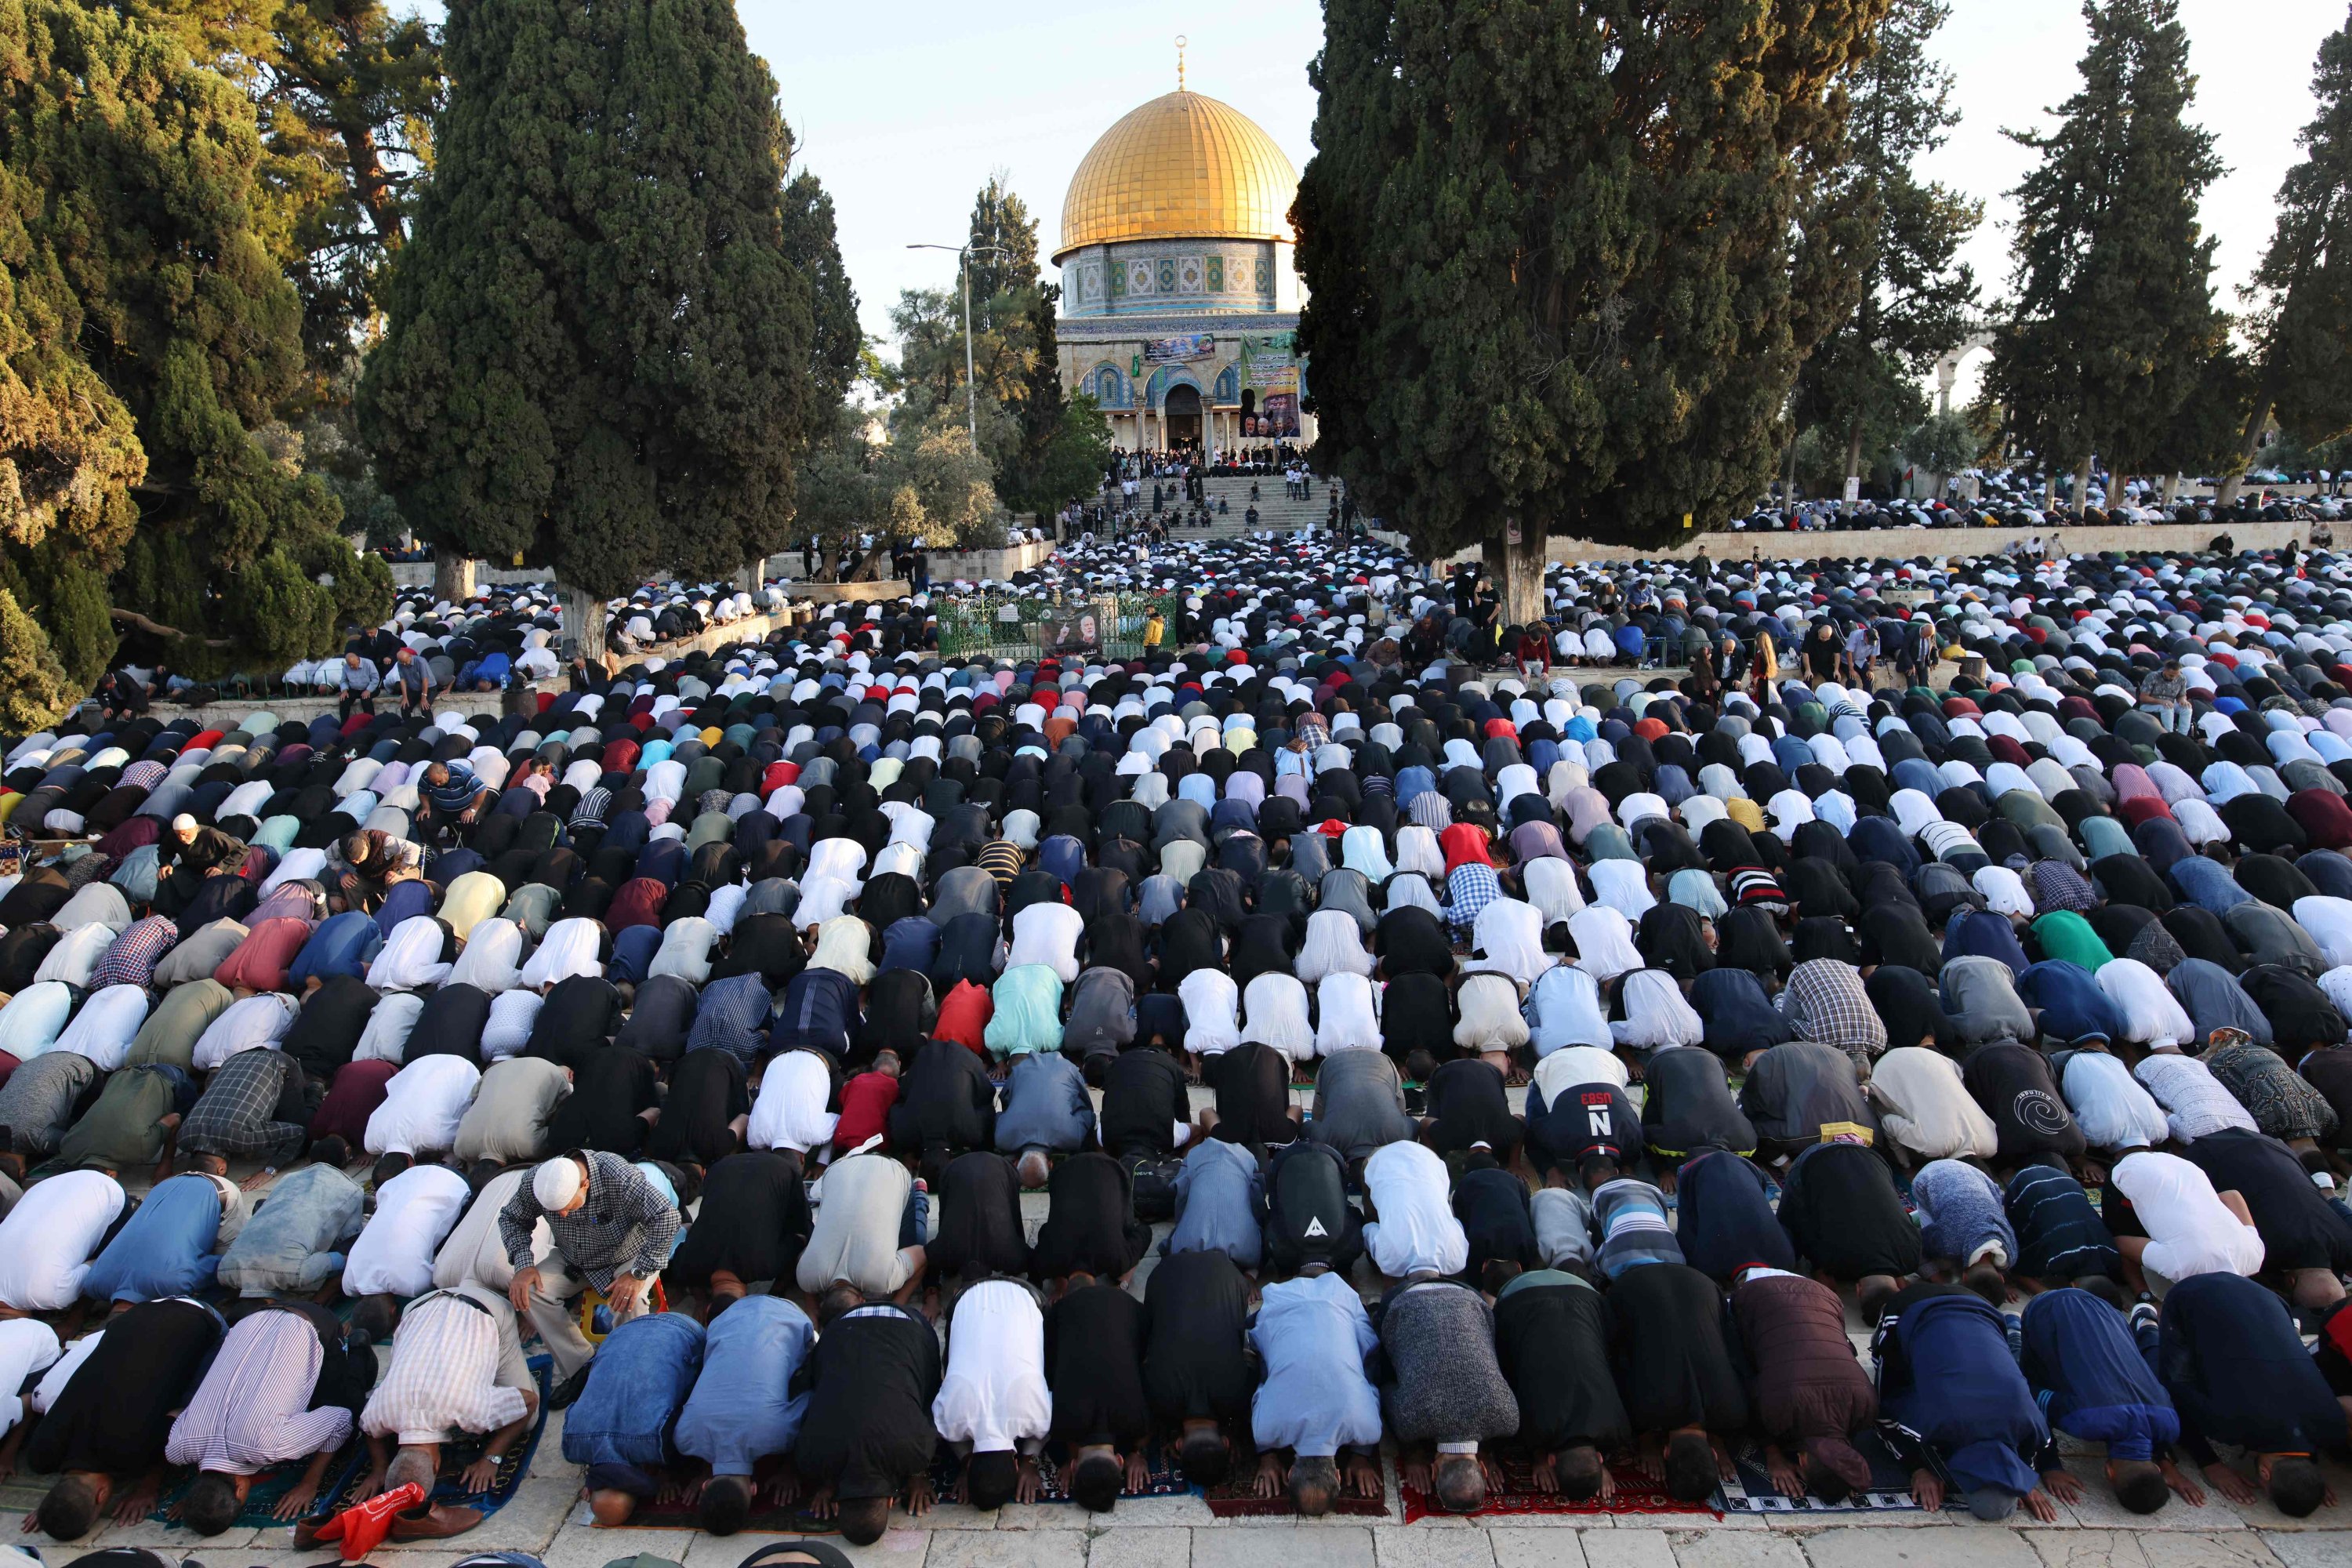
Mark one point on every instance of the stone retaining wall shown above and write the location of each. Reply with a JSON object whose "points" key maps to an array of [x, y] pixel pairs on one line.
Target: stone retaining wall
{"points": [[1907, 542]]}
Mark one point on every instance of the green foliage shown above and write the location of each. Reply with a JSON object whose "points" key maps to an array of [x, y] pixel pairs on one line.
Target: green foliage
{"points": [[1000, 283], [931, 485], [1944, 444], [34, 687], [2303, 326], [836, 341], [1862, 380], [599, 346], [2112, 318], [1565, 259], [142, 288], [280, 613]]}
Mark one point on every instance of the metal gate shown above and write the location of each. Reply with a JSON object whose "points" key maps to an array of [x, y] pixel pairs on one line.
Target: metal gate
{"points": [[1028, 626]]}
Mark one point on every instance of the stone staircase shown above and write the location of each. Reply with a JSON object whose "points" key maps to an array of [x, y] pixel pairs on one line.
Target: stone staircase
{"points": [[1275, 510]]}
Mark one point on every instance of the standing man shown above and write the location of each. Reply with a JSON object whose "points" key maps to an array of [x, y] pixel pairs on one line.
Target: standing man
{"points": [[613, 1233]]}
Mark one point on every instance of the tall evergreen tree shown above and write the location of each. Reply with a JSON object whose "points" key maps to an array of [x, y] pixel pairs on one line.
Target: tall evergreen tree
{"points": [[836, 342], [1004, 251], [1862, 380], [599, 356], [2112, 323], [2302, 324], [1565, 260], [148, 333]]}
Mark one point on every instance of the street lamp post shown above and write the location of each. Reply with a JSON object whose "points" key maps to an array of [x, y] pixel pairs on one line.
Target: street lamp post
{"points": [[964, 253]]}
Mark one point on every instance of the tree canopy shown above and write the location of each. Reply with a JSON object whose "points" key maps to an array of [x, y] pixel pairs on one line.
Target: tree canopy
{"points": [[149, 331], [600, 353], [1565, 261], [2302, 325], [2111, 323], [1861, 382]]}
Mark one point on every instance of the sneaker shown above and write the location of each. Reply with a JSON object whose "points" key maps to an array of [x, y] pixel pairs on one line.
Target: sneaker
{"points": [[2143, 1316]]}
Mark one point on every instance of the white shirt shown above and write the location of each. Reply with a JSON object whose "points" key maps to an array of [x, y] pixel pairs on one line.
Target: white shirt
{"points": [[508, 1029], [1416, 1230], [48, 1238], [1603, 942], [1276, 1009], [2110, 1107], [53, 1382], [568, 948], [102, 1030], [1656, 1014], [492, 959], [2329, 921], [422, 1104], [2151, 1013], [1211, 1011], [1333, 945], [1347, 1014], [1622, 886], [2194, 1102], [2191, 1230], [75, 954], [414, 1212], [1510, 933], [1488, 1002], [390, 1021], [790, 1112], [246, 1025], [410, 959], [994, 1395], [1564, 1012], [1925, 1107], [1570, 1066], [1047, 934], [27, 1345]]}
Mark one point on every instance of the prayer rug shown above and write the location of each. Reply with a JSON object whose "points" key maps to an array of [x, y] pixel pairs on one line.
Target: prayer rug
{"points": [[1635, 1493], [1753, 1492]]}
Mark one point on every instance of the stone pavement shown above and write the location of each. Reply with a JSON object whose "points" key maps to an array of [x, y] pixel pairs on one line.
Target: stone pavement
{"points": [[545, 1520]]}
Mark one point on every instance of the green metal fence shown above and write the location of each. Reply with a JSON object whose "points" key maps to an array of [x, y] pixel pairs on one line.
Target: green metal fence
{"points": [[1021, 626]]}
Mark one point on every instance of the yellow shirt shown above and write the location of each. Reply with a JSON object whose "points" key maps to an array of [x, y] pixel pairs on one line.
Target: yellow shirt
{"points": [[1153, 629]]}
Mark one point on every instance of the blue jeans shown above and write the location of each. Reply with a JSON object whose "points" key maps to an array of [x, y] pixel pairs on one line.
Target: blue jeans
{"points": [[2173, 716]]}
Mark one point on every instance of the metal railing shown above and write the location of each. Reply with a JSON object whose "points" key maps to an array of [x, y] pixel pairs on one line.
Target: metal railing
{"points": [[1027, 626]]}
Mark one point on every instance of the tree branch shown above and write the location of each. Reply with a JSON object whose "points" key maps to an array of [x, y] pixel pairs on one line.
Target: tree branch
{"points": [[132, 618]]}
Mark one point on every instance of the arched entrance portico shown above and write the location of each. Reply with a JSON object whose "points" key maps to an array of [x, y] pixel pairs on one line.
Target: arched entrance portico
{"points": [[1181, 411]]}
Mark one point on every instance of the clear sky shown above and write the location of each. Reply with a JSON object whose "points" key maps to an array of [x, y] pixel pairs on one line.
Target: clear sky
{"points": [[905, 109]]}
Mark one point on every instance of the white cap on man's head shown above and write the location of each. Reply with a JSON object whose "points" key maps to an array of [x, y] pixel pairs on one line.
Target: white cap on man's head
{"points": [[183, 823], [557, 1182]]}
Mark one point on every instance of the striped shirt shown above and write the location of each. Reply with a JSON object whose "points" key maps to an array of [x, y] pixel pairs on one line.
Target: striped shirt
{"points": [[252, 1410], [447, 1363]]}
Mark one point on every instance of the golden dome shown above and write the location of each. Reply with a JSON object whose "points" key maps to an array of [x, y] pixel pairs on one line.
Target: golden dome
{"points": [[1180, 167]]}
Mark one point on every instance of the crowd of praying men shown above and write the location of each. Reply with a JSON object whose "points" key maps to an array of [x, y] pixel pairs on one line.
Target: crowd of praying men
{"points": [[1574, 1063]]}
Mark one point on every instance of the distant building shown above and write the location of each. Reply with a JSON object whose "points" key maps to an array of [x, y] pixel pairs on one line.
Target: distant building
{"points": [[1180, 294]]}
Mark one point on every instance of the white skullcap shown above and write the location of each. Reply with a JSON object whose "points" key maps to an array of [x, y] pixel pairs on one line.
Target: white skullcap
{"points": [[183, 823], [556, 1182]]}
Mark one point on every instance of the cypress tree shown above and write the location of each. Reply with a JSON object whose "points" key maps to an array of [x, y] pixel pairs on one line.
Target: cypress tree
{"points": [[599, 355], [1862, 380], [2112, 324], [2303, 323], [1565, 260]]}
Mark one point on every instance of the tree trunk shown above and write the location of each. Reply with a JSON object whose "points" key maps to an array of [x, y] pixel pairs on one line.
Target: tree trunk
{"points": [[453, 575], [747, 581], [1789, 470], [1853, 456], [1519, 570], [2249, 444], [584, 617], [2120, 492], [2082, 485], [2049, 492]]}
